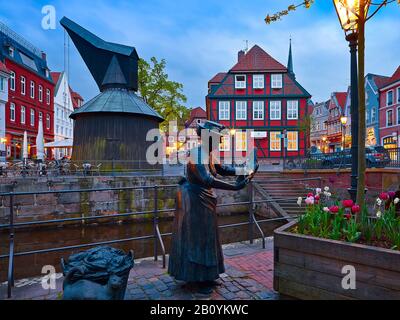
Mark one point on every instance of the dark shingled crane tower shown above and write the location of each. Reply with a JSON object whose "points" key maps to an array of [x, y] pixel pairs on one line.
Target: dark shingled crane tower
{"points": [[111, 128]]}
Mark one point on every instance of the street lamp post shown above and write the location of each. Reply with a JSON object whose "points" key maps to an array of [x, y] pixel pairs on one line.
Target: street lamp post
{"points": [[232, 133], [343, 121], [349, 23]]}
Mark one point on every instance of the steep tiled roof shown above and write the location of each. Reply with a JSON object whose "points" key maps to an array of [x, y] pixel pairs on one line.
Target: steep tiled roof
{"points": [[75, 96], [341, 98], [196, 113], [3, 68], [55, 76], [256, 59], [218, 77], [394, 78]]}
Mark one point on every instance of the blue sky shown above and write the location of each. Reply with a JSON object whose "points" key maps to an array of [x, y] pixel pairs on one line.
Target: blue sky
{"points": [[199, 38]]}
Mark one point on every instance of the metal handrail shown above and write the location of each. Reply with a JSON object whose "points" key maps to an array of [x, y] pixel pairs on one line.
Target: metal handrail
{"points": [[157, 236]]}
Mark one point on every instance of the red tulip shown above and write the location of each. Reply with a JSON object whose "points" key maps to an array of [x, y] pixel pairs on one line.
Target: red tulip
{"points": [[384, 196], [334, 209], [347, 203], [355, 208], [392, 194], [310, 195], [347, 216], [317, 197]]}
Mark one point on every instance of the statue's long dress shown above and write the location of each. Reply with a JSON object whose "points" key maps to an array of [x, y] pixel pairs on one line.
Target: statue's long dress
{"points": [[196, 253]]}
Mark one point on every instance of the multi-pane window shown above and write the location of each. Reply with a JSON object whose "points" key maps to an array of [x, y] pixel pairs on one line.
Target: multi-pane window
{"points": [[398, 94], [389, 118], [258, 81], [293, 110], [23, 85], [275, 110], [258, 110], [224, 110], [12, 81], [373, 115], [276, 81], [23, 114], [241, 141], [398, 115], [32, 117], [48, 121], [225, 143], [2, 84], [48, 96], [292, 141], [12, 112], [40, 93], [40, 116], [240, 81], [389, 97], [241, 110], [32, 90], [275, 141]]}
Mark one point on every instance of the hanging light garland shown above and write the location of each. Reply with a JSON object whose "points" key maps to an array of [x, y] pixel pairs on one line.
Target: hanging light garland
{"points": [[277, 16]]}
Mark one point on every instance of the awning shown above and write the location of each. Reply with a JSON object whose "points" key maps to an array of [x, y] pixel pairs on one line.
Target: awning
{"points": [[67, 143]]}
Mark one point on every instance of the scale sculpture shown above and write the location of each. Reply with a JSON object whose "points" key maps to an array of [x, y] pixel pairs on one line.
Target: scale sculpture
{"points": [[111, 128]]}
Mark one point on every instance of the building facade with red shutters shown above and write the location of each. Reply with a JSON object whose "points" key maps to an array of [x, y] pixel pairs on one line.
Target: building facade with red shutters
{"points": [[389, 111], [30, 93], [261, 94], [336, 134]]}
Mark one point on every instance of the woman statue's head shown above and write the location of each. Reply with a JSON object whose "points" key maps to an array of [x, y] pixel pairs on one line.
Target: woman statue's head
{"points": [[210, 134]]}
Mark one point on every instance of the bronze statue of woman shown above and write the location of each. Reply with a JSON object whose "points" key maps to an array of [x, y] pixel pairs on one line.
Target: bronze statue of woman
{"points": [[196, 252]]}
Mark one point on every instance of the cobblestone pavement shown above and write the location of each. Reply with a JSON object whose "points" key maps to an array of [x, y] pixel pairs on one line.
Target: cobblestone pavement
{"points": [[249, 274]]}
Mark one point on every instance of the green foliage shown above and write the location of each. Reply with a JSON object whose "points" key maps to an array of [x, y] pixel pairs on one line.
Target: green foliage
{"points": [[164, 95]]}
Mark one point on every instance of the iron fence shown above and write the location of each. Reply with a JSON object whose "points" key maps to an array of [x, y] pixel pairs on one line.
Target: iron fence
{"points": [[157, 236], [376, 157]]}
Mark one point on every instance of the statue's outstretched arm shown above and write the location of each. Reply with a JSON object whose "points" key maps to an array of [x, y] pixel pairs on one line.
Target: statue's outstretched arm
{"points": [[225, 170], [209, 181]]}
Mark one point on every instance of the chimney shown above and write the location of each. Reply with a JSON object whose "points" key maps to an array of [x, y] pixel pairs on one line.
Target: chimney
{"points": [[240, 55]]}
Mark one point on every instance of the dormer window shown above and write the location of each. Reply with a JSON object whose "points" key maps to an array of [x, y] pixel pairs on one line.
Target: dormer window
{"points": [[240, 82], [276, 81], [11, 52], [258, 81]]}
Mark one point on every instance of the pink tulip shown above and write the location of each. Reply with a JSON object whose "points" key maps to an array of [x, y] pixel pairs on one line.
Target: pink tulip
{"points": [[355, 208], [347, 203], [334, 209], [384, 196]]}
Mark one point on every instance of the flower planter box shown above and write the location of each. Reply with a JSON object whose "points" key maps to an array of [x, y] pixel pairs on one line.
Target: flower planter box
{"points": [[307, 267]]}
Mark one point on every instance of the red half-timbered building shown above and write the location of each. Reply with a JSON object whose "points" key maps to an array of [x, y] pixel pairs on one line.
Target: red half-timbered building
{"points": [[261, 94]]}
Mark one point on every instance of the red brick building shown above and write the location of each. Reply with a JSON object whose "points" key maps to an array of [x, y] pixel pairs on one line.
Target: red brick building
{"points": [[31, 92], [389, 110], [261, 94]]}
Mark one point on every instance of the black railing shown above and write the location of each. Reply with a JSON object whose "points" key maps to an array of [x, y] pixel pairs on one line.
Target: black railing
{"points": [[377, 157], [157, 236]]}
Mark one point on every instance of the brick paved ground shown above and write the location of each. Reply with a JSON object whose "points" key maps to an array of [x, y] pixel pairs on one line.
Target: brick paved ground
{"points": [[249, 274]]}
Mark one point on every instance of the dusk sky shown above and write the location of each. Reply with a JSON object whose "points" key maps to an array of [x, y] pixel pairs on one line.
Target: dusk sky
{"points": [[199, 38]]}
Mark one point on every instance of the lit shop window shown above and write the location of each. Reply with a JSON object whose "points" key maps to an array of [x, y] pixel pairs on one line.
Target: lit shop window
{"points": [[275, 141]]}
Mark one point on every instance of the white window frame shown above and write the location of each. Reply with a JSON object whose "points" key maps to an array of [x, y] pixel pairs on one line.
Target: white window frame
{"points": [[275, 107], [11, 51], [239, 141], [12, 81], [258, 81], [387, 118], [32, 117], [276, 81], [48, 121], [23, 85], [387, 98], [224, 110], [277, 140], [40, 115], [398, 94], [12, 112], [373, 114], [23, 114], [240, 84], [32, 87], [40, 93], [48, 96], [2, 84], [258, 107], [292, 109], [398, 116], [294, 140], [241, 110], [227, 143]]}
